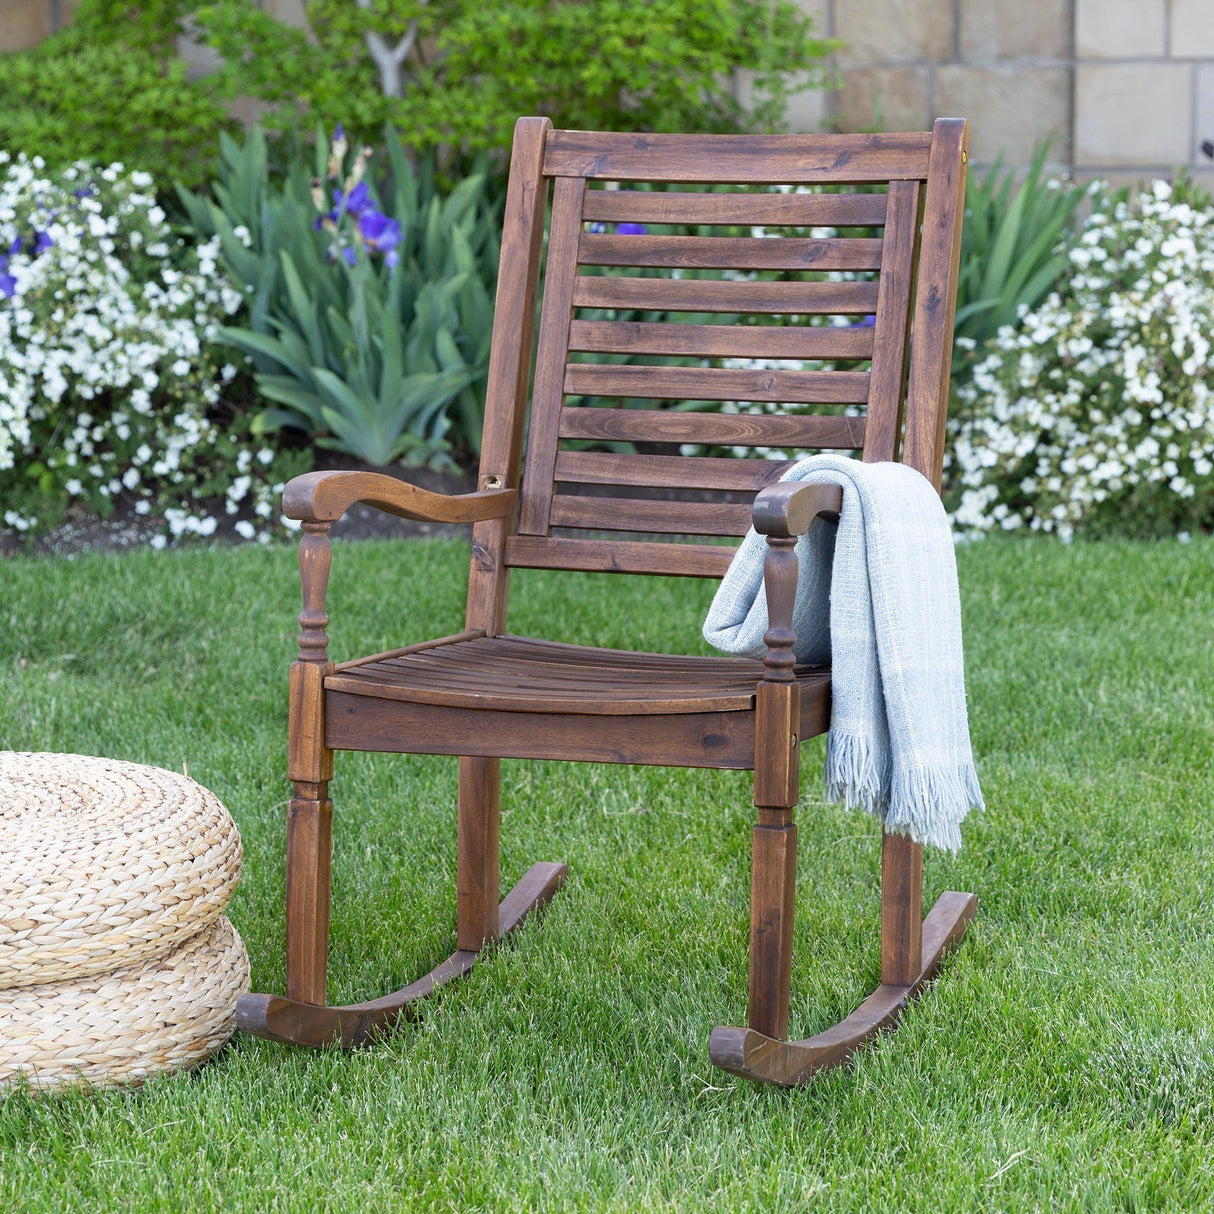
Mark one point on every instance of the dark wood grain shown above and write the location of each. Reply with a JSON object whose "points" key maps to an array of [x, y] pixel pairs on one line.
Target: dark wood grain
{"points": [[629, 514], [750, 159], [722, 341], [700, 472], [901, 909], [736, 429], [327, 496], [758, 1056], [711, 295], [476, 884], [713, 739], [509, 367], [936, 299], [298, 1022], [735, 209], [483, 694], [891, 331], [547, 392], [618, 556], [730, 252], [697, 383]]}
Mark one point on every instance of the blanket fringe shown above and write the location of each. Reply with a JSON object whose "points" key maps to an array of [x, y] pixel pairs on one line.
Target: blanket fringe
{"points": [[926, 804], [854, 775]]}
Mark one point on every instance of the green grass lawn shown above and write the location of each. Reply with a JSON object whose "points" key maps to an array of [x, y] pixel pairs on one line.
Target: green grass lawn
{"points": [[1063, 1061]]}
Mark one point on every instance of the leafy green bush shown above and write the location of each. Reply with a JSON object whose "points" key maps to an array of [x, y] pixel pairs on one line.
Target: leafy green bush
{"points": [[458, 72], [78, 97], [377, 351], [1097, 412], [111, 387]]}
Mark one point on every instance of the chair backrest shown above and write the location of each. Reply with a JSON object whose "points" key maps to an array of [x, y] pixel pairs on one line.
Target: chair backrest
{"points": [[635, 309]]}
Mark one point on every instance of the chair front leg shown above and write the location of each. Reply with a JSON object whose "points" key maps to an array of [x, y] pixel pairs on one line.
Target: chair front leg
{"points": [[310, 768], [774, 845]]}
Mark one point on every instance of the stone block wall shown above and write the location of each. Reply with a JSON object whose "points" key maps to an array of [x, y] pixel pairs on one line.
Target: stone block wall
{"points": [[24, 23], [1125, 88]]}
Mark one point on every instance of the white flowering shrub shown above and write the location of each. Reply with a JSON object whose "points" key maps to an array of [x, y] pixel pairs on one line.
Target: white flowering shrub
{"points": [[1096, 414], [110, 386]]}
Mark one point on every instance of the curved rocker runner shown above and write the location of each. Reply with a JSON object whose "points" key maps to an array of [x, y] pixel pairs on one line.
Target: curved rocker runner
{"points": [[567, 484]]}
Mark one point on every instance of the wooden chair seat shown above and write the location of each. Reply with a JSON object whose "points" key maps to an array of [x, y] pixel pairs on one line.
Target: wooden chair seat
{"points": [[523, 674], [549, 700], [662, 299]]}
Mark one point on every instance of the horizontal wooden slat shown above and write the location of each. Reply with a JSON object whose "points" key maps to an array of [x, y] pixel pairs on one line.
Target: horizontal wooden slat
{"points": [[710, 383], [746, 210], [667, 471], [646, 515], [745, 159], [522, 674], [618, 556], [686, 739], [696, 295], [517, 688], [739, 429], [722, 341], [729, 253]]}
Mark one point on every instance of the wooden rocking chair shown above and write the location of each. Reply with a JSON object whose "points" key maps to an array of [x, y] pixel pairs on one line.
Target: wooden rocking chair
{"points": [[484, 694]]}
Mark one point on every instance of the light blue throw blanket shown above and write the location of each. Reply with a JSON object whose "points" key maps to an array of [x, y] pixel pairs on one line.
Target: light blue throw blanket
{"points": [[877, 598]]}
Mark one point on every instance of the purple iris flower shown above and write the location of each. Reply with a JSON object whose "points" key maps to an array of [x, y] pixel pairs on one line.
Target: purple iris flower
{"points": [[349, 254], [380, 232], [339, 134], [356, 202], [865, 322], [43, 242], [630, 229], [8, 284], [15, 248]]}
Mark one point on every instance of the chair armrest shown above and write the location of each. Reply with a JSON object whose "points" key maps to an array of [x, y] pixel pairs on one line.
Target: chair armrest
{"points": [[787, 508], [782, 512], [323, 497]]}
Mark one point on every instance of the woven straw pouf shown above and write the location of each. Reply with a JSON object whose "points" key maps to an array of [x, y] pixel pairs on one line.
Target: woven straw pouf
{"points": [[124, 1027], [114, 958]]}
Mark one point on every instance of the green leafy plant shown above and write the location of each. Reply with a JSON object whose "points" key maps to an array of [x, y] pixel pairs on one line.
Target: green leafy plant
{"points": [[1013, 247], [377, 351], [92, 93], [457, 73]]}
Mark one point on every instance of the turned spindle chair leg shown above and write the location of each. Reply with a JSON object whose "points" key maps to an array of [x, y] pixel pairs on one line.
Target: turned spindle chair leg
{"points": [[310, 768], [774, 844]]}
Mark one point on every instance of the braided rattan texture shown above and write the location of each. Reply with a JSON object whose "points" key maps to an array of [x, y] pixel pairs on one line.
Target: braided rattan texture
{"points": [[104, 863], [169, 1012]]}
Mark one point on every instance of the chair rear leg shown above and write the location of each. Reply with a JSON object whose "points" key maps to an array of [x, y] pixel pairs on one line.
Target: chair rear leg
{"points": [[478, 852], [901, 910]]}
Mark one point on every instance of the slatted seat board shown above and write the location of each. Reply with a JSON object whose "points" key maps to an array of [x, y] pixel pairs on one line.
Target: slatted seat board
{"points": [[846, 291]]}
